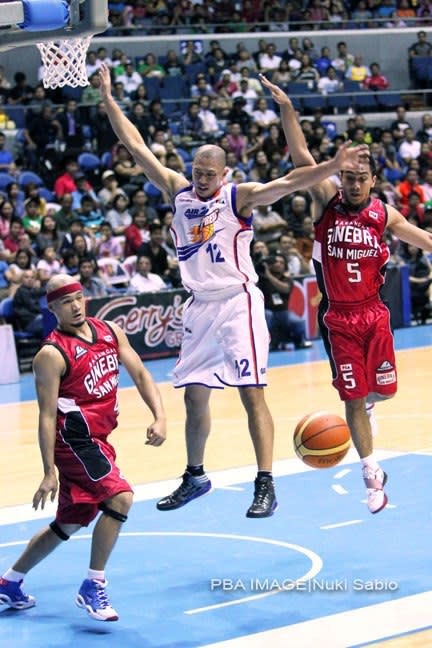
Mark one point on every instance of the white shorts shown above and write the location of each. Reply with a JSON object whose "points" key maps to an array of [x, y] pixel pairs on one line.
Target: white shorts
{"points": [[225, 342]]}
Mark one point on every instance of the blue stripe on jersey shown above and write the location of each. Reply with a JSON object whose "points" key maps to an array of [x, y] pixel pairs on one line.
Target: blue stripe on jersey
{"points": [[247, 220], [184, 252], [184, 256]]}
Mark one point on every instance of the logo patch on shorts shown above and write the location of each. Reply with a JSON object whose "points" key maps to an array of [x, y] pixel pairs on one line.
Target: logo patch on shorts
{"points": [[385, 373], [385, 366], [386, 378]]}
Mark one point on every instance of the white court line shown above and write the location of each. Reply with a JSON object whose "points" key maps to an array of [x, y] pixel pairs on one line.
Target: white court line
{"points": [[341, 524], [355, 627], [340, 490], [231, 488], [342, 473]]}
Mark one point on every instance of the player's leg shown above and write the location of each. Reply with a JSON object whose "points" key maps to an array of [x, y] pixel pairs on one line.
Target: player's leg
{"points": [[358, 423], [370, 411], [351, 379], [260, 424], [199, 361], [361, 434], [92, 595], [38, 548], [245, 340], [261, 429], [195, 482], [105, 534]]}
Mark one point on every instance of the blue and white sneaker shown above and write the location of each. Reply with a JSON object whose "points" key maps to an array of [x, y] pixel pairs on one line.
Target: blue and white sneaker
{"points": [[12, 595], [93, 597], [190, 488]]}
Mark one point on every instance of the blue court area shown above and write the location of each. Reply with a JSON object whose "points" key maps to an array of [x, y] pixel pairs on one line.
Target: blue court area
{"points": [[205, 573]]}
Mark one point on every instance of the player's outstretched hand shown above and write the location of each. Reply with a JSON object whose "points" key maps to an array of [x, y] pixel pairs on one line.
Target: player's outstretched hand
{"points": [[48, 487], [156, 432], [277, 93], [353, 158], [105, 77]]}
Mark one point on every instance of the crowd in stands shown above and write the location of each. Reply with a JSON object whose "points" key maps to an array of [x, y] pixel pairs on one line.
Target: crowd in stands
{"points": [[73, 200], [165, 17]]}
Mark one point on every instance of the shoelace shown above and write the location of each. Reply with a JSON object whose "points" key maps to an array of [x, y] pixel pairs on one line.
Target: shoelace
{"points": [[261, 493], [184, 488], [101, 597]]}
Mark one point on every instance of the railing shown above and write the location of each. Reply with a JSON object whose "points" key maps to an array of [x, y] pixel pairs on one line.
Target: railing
{"points": [[152, 28]]}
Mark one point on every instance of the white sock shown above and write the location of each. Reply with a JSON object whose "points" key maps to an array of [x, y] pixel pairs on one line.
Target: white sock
{"points": [[95, 574], [14, 576], [370, 462]]}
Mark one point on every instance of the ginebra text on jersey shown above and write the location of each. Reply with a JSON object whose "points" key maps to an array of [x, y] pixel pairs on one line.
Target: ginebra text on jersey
{"points": [[355, 235], [103, 366]]}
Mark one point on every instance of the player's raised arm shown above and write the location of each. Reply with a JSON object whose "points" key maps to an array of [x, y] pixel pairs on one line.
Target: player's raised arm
{"points": [[297, 146], [164, 178], [251, 195]]}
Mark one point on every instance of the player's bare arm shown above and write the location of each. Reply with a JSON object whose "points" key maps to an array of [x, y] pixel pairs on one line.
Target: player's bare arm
{"points": [[157, 173], [407, 232], [156, 431], [297, 145], [254, 194], [48, 367]]}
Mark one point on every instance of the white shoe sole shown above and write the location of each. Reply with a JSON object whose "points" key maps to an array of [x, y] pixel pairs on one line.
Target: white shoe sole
{"points": [[94, 615], [6, 600]]}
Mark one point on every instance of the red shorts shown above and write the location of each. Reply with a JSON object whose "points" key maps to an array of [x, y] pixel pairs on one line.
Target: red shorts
{"points": [[360, 346], [88, 476]]}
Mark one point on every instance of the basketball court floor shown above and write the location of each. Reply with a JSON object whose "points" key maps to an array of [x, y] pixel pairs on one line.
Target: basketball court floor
{"points": [[322, 571]]}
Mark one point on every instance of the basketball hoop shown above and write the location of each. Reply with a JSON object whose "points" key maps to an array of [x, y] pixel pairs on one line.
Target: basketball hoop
{"points": [[64, 62]]}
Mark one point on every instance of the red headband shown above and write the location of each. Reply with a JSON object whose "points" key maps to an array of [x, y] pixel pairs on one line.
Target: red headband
{"points": [[63, 290]]}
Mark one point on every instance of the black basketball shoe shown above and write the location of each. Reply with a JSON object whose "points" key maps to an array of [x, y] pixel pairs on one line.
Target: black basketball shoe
{"points": [[264, 502], [190, 488]]}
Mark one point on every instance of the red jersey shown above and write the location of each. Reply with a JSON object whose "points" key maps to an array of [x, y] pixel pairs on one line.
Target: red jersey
{"points": [[89, 385], [349, 252]]}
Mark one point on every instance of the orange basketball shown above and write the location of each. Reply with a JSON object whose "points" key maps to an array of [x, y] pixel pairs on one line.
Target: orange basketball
{"points": [[321, 439]]}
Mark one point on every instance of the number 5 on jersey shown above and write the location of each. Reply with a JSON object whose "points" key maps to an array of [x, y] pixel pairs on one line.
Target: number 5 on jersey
{"points": [[353, 269]]}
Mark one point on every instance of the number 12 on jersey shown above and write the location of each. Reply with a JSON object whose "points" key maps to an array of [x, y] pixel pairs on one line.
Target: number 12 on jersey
{"points": [[215, 253]]}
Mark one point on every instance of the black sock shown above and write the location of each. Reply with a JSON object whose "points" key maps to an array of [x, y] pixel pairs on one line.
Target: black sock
{"points": [[264, 474], [195, 471]]}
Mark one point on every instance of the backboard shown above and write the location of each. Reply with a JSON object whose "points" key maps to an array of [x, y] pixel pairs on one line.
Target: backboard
{"points": [[20, 22]]}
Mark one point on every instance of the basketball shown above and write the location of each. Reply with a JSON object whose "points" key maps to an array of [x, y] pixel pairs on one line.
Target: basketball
{"points": [[321, 439]]}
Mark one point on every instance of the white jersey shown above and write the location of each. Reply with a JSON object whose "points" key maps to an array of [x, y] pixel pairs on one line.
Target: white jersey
{"points": [[212, 241]]}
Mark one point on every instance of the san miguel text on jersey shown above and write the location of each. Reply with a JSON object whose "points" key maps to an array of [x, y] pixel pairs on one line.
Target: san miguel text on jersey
{"points": [[349, 252]]}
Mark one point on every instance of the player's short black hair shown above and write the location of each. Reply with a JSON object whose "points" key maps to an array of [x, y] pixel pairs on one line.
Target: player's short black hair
{"points": [[373, 166]]}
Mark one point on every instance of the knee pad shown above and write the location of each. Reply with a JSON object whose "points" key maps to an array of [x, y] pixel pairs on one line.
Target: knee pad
{"points": [[58, 531], [120, 517]]}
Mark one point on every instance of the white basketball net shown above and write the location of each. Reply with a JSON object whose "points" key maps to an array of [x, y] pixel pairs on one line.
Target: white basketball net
{"points": [[64, 62]]}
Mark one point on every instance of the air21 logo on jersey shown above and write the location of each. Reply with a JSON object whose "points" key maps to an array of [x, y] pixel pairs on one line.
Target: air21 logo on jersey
{"points": [[199, 235]]}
